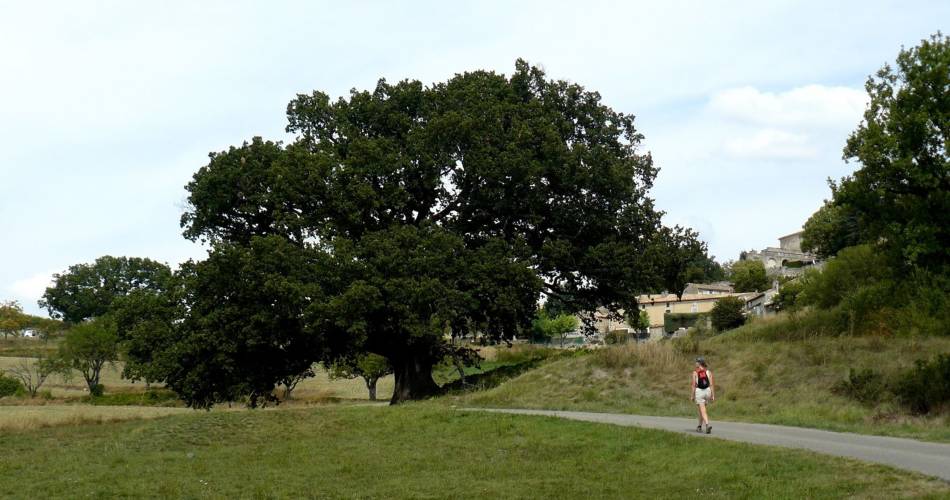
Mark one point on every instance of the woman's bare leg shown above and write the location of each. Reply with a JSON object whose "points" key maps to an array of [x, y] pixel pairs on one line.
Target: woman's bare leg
{"points": [[703, 417]]}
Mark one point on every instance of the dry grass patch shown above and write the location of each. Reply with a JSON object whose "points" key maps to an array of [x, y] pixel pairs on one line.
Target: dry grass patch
{"points": [[41, 416]]}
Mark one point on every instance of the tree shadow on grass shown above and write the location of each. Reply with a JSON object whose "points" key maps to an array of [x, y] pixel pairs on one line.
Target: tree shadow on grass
{"points": [[490, 378]]}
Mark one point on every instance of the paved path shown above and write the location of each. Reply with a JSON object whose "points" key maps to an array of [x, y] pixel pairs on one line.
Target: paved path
{"points": [[932, 459]]}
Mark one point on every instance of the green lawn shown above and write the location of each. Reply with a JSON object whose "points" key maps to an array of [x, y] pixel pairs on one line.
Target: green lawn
{"points": [[788, 382], [417, 451]]}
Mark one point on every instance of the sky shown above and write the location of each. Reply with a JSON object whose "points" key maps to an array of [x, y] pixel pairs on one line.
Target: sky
{"points": [[108, 108]]}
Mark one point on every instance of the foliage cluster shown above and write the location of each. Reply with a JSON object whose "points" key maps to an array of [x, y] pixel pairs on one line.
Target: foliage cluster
{"points": [[866, 385], [926, 387], [749, 276], [9, 386], [922, 389], [371, 367], [727, 313], [547, 326]]}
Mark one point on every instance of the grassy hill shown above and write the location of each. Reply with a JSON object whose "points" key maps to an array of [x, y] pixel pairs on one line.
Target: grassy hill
{"points": [[788, 381], [419, 451]]}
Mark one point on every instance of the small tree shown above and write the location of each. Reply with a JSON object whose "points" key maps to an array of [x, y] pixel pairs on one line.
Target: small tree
{"points": [[640, 321], [371, 367], [547, 325], [290, 382], [749, 276], [87, 348], [32, 373], [727, 313], [12, 319]]}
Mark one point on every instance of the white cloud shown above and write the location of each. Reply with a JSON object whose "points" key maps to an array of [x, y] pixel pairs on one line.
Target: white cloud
{"points": [[771, 144], [29, 290], [808, 106], [800, 123]]}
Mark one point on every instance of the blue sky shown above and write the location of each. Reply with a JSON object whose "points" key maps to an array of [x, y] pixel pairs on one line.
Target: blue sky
{"points": [[107, 108]]}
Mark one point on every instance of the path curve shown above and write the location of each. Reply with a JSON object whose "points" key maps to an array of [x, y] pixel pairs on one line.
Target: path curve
{"points": [[932, 459]]}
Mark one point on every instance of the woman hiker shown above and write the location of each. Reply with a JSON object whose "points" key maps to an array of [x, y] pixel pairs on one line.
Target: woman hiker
{"points": [[702, 392]]}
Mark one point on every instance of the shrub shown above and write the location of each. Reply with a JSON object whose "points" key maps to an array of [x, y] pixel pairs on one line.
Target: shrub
{"points": [[926, 386], [853, 268], [96, 390], [727, 313], [616, 337], [866, 386], [9, 386]]}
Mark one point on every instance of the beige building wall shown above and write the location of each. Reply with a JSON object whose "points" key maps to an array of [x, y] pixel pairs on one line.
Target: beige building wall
{"points": [[657, 306]]}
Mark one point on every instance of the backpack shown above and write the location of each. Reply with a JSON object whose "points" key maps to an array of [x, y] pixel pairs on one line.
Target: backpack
{"points": [[702, 379]]}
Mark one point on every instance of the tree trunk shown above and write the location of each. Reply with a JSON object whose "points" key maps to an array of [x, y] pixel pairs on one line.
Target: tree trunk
{"points": [[413, 376], [371, 387]]}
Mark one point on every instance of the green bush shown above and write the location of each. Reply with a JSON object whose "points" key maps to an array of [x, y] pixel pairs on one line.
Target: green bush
{"points": [[853, 268], [96, 390], [866, 386], [727, 313], [9, 386], [926, 386], [787, 297]]}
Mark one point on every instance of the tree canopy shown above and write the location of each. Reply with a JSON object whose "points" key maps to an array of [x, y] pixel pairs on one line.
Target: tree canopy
{"points": [[900, 195], [727, 313], [749, 276], [87, 291]]}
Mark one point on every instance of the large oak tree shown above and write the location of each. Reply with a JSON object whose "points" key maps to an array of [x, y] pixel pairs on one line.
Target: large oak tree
{"points": [[402, 216]]}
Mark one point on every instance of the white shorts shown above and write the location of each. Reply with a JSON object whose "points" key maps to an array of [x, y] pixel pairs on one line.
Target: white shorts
{"points": [[702, 396]]}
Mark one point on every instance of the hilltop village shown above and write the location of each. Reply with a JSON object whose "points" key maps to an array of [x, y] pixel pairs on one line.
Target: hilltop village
{"points": [[671, 313]]}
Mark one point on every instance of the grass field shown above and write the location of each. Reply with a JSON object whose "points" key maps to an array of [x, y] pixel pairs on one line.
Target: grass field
{"points": [[418, 451], [779, 382], [21, 346]]}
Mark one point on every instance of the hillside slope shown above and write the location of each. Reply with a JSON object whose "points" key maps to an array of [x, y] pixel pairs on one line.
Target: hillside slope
{"points": [[789, 382]]}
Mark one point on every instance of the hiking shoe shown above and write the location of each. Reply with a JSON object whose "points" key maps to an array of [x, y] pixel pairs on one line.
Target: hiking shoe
{"points": [[708, 429], [699, 428]]}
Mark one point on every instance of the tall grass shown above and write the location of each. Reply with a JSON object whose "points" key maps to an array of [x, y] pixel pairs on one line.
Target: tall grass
{"points": [[654, 357]]}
